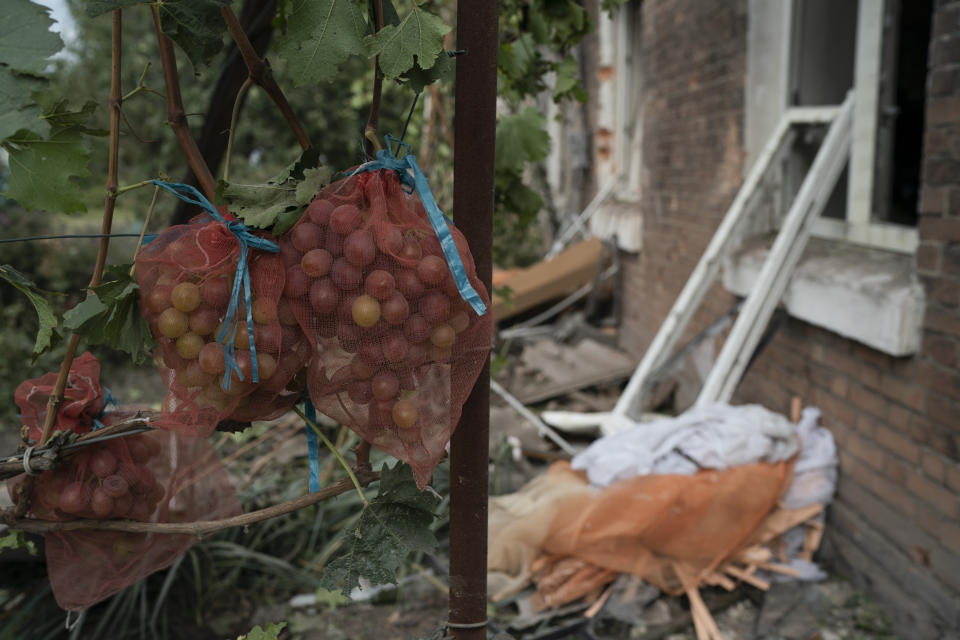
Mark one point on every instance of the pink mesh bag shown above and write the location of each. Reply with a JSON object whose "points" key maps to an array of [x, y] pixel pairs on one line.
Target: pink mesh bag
{"points": [[397, 346], [150, 477], [210, 292]]}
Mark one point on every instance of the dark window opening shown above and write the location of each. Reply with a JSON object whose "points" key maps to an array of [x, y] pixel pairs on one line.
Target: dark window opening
{"points": [[902, 105]]}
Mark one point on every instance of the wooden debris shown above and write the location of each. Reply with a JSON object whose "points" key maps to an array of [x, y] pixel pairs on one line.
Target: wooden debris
{"points": [[550, 279]]}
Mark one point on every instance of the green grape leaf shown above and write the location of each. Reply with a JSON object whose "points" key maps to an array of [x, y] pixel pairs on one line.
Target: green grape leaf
{"points": [[272, 632], [394, 524], [521, 138], [568, 81], [110, 315], [18, 111], [26, 40], [444, 70], [195, 25], [314, 179], [320, 35], [47, 335], [419, 36], [279, 202], [41, 170]]}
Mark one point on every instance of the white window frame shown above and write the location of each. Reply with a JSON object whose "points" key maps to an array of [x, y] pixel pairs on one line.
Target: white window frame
{"points": [[859, 225]]}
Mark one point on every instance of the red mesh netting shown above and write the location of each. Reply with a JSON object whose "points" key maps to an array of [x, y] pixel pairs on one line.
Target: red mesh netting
{"points": [[82, 398], [186, 276], [396, 348], [150, 477]]}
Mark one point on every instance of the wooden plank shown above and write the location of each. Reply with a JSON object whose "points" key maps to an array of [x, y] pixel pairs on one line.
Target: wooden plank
{"points": [[554, 278], [747, 577]]}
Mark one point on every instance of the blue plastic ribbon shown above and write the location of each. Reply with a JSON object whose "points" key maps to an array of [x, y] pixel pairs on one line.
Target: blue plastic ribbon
{"points": [[241, 281], [313, 447], [108, 400], [405, 167]]}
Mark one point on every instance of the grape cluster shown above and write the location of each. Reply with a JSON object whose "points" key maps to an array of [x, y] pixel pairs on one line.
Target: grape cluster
{"points": [[185, 301], [109, 480], [380, 302]]}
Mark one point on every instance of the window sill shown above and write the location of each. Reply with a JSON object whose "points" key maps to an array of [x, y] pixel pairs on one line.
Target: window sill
{"points": [[866, 295]]}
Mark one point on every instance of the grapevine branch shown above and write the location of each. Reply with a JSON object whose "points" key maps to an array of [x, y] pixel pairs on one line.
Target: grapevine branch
{"points": [[261, 74], [373, 121], [176, 116], [198, 529], [56, 398]]}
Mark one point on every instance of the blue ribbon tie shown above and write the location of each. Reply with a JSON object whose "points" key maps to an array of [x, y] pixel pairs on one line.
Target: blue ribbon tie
{"points": [[440, 223], [241, 281], [313, 447]]}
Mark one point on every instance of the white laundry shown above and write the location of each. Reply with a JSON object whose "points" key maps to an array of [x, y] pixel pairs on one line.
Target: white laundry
{"points": [[713, 436]]}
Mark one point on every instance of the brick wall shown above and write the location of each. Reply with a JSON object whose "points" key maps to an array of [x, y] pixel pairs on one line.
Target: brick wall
{"points": [[693, 57], [895, 525]]}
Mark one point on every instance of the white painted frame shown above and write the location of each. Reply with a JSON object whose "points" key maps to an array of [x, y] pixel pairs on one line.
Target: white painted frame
{"points": [[859, 226]]}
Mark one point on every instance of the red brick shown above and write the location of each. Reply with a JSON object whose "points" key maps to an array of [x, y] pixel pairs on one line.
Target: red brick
{"points": [[941, 320], [946, 21], [933, 200], [867, 355], [950, 260], [903, 392], [834, 410], [953, 476], [866, 424], [935, 436], [868, 401], [942, 291], [945, 501], [933, 466], [895, 471], [950, 536], [939, 229], [946, 50], [897, 443], [946, 381], [899, 418], [839, 386], [943, 110], [953, 201], [939, 170], [928, 256], [941, 350], [930, 520], [865, 450], [943, 410]]}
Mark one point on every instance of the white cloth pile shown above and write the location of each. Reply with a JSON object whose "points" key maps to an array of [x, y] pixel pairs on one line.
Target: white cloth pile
{"points": [[711, 436]]}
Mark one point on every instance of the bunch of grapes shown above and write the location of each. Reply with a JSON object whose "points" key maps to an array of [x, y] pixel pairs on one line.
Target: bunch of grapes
{"points": [[380, 303], [109, 480], [186, 291]]}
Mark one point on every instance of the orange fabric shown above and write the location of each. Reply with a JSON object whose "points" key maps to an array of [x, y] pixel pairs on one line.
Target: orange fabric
{"points": [[648, 524]]}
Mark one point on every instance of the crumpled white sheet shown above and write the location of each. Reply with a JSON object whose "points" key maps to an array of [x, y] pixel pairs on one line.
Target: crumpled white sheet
{"points": [[815, 471], [711, 436]]}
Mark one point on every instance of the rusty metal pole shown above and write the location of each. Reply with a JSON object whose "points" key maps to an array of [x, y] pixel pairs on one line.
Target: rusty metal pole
{"points": [[474, 136]]}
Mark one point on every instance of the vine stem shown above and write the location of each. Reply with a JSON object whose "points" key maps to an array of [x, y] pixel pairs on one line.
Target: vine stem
{"points": [[143, 231], [198, 529], [116, 99], [335, 452], [233, 126], [260, 73], [373, 120], [176, 116]]}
